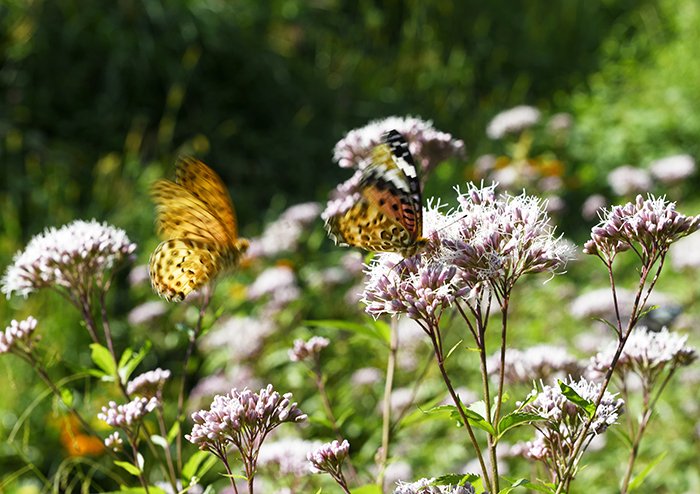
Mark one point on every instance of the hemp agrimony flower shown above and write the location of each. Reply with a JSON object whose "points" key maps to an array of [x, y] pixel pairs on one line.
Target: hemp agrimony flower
{"points": [[114, 442], [149, 384], [328, 458], [648, 226], [512, 121], [308, 350], [564, 422], [128, 414], [244, 419], [426, 486], [18, 335], [539, 362], [72, 258]]}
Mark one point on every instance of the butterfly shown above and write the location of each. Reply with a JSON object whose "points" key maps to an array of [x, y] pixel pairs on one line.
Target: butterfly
{"points": [[196, 218], [388, 217]]}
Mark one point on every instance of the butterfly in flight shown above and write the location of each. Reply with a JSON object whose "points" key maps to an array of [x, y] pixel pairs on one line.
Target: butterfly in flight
{"points": [[388, 217], [196, 219]]}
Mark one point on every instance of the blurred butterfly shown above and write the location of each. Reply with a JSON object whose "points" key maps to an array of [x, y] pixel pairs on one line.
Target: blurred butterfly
{"points": [[389, 215], [195, 216]]}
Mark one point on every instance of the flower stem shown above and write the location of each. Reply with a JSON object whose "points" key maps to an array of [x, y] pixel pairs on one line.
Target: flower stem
{"points": [[188, 354], [386, 404]]}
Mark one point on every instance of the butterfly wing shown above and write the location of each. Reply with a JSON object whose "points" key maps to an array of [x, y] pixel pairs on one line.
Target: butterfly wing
{"points": [[204, 184], [178, 267], [364, 225], [389, 215]]}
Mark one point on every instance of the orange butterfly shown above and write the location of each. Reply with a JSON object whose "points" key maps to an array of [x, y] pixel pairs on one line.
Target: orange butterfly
{"points": [[196, 218], [389, 215]]}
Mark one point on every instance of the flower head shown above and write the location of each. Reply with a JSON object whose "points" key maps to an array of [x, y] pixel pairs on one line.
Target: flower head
{"points": [[646, 353], [427, 486], [651, 224], [308, 350], [127, 414], [535, 363], [428, 145], [242, 418], [17, 334], [114, 442], [71, 257], [288, 455], [149, 384], [627, 179], [673, 169], [283, 234], [495, 240], [413, 286], [328, 458], [512, 121], [564, 419]]}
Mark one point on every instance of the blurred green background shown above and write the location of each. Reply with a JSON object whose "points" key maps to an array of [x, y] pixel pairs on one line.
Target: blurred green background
{"points": [[97, 99]]}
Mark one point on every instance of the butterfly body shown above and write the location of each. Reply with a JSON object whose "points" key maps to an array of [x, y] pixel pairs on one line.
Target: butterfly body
{"points": [[388, 217], [195, 216]]}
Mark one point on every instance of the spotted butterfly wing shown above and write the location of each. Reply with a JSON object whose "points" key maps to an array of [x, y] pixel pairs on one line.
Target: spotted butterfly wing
{"points": [[388, 217], [195, 216]]}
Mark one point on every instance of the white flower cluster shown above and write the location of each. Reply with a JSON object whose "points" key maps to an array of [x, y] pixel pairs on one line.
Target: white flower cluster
{"points": [[17, 331], [425, 486], [148, 384], [512, 121], [69, 257], [127, 414]]}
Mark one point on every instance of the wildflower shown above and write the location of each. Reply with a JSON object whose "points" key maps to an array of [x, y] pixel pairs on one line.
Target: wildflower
{"points": [[328, 458], [496, 240], [416, 288], [564, 420], [128, 414], [427, 145], [343, 197], [72, 258], [625, 180], [149, 384], [673, 169], [366, 376], [650, 225], [114, 442], [560, 122], [146, 312], [535, 363], [242, 418], [512, 121], [288, 455], [647, 354], [685, 254], [283, 234], [240, 336], [139, 275], [592, 205], [426, 486], [308, 350], [18, 333], [279, 283]]}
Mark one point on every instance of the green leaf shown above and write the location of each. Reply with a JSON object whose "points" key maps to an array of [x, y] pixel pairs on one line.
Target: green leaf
{"points": [[639, 478], [103, 359], [516, 419], [529, 485], [173, 432], [455, 479], [473, 417], [575, 398], [453, 349], [127, 366], [191, 468], [367, 489], [376, 330], [129, 467]]}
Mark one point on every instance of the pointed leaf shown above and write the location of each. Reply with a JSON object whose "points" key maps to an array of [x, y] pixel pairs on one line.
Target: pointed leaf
{"points": [[128, 367], [376, 330], [160, 441], [191, 468], [575, 398], [639, 478], [453, 349], [516, 419], [103, 359], [132, 469], [455, 479], [367, 489], [547, 488]]}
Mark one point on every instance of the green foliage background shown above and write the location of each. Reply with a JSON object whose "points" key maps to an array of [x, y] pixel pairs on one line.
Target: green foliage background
{"points": [[98, 98]]}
